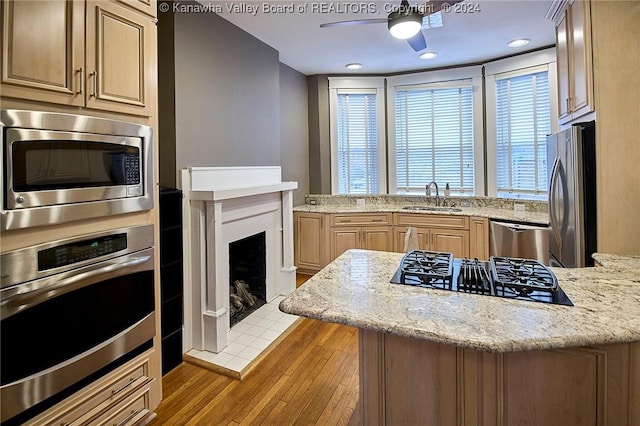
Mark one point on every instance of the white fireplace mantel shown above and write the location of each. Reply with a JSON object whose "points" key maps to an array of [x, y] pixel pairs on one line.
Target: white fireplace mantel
{"points": [[222, 205]]}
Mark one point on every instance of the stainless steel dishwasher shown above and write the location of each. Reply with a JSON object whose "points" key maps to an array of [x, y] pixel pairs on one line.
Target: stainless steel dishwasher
{"points": [[521, 240]]}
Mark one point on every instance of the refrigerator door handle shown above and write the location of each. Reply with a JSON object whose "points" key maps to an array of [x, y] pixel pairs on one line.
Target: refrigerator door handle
{"points": [[558, 182]]}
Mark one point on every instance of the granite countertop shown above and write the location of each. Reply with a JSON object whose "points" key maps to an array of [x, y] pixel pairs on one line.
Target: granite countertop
{"points": [[488, 212], [355, 290], [618, 261]]}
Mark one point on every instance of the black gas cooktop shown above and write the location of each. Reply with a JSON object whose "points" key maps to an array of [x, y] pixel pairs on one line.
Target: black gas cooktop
{"points": [[511, 278]]}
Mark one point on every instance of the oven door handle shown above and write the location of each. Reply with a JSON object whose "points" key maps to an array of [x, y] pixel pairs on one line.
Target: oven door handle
{"points": [[41, 290]]}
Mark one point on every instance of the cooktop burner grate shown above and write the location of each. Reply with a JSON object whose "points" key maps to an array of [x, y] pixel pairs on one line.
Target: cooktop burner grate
{"points": [[420, 267], [522, 275]]}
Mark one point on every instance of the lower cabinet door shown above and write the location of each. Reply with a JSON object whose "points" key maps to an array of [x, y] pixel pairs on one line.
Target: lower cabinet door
{"points": [[400, 234], [377, 238], [310, 241], [451, 241], [343, 239]]}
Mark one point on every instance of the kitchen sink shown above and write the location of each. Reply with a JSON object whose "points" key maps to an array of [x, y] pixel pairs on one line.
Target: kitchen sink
{"points": [[433, 208]]}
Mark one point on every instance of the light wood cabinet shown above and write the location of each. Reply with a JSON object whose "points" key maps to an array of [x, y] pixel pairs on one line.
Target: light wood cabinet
{"points": [[570, 386], [311, 241], [120, 53], [123, 396], [574, 58], [360, 231], [109, 67], [43, 51], [479, 238], [450, 241], [435, 232], [320, 238], [147, 6]]}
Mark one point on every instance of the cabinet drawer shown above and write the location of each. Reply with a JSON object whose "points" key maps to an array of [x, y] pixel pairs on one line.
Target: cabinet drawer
{"points": [[99, 396], [360, 219], [128, 412], [432, 221]]}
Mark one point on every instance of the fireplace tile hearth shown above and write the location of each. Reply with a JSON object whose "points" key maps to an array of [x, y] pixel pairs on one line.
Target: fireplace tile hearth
{"points": [[247, 340]]}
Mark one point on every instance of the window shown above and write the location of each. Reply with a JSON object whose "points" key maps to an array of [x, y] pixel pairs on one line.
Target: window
{"points": [[357, 136], [434, 137], [357, 144], [520, 99], [523, 119]]}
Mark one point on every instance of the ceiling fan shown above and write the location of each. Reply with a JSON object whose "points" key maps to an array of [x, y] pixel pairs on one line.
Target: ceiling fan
{"points": [[404, 23]]}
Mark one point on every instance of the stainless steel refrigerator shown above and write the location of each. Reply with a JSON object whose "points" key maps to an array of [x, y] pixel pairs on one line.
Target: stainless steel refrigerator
{"points": [[572, 196]]}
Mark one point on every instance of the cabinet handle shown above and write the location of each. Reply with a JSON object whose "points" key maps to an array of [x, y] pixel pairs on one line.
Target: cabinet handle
{"points": [[128, 418], [81, 72], [568, 104], [345, 220], [378, 220], [95, 84], [123, 387]]}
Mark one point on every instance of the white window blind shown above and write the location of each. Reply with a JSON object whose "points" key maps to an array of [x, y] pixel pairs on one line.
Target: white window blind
{"points": [[435, 137], [523, 120], [357, 143]]}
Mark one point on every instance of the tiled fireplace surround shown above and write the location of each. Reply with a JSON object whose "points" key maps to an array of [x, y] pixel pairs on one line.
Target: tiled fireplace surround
{"points": [[223, 205]]}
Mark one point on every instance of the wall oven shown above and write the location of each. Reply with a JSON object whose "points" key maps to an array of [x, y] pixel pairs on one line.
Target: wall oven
{"points": [[62, 167], [71, 311]]}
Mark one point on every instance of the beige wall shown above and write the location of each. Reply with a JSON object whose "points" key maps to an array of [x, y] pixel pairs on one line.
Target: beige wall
{"points": [[616, 55]]}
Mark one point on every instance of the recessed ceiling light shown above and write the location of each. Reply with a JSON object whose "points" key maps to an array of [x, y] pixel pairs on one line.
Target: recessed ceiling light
{"points": [[428, 55], [519, 42], [353, 66]]}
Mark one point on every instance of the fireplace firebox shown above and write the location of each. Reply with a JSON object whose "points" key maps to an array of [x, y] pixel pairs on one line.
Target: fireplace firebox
{"points": [[247, 276]]}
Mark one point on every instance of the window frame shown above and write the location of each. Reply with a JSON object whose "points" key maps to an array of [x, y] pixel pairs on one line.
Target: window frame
{"points": [[513, 67], [358, 85], [431, 80]]}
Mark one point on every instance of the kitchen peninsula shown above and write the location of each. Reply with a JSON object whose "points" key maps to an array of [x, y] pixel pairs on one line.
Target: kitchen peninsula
{"points": [[431, 356]]}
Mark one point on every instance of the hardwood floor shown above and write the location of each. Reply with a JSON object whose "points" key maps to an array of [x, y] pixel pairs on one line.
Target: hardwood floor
{"points": [[311, 377]]}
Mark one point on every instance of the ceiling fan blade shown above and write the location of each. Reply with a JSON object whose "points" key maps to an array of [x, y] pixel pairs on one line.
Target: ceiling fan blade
{"points": [[418, 42], [355, 22], [434, 6]]}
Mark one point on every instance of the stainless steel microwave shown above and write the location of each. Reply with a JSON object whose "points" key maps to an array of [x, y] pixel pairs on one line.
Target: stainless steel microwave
{"points": [[63, 167]]}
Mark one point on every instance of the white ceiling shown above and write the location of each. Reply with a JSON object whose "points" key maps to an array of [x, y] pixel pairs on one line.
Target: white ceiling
{"points": [[465, 37]]}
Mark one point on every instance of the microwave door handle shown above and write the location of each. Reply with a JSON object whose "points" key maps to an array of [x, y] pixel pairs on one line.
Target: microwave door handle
{"points": [[51, 287]]}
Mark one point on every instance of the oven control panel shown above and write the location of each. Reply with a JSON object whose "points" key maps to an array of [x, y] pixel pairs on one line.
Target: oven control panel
{"points": [[79, 251]]}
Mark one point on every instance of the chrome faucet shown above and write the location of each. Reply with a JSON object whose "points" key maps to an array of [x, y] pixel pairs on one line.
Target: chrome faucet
{"points": [[428, 191]]}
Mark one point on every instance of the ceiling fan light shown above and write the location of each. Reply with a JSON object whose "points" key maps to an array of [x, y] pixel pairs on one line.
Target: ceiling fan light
{"points": [[405, 27]]}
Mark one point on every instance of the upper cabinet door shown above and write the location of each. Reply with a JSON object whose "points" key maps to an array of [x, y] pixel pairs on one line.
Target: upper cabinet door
{"points": [[581, 100], [573, 58], [120, 53], [562, 64], [149, 7], [121, 61], [43, 51]]}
